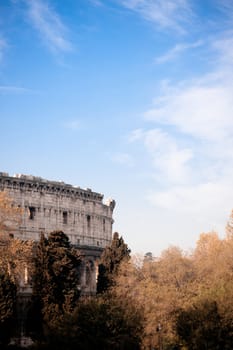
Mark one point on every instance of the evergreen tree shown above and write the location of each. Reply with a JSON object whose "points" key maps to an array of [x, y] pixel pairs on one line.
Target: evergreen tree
{"points": [[199, 327], [101, 324], [110, 261], [7, 308], [55, 288]]}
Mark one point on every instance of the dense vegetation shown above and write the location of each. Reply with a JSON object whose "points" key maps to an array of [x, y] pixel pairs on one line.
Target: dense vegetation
{"points": [[110, 262], [186, 298], [7, 308], [55, 285], [178, 301]]}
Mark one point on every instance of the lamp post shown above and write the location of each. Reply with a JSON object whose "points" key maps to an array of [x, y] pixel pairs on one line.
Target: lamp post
{"points": [[159, 329]]}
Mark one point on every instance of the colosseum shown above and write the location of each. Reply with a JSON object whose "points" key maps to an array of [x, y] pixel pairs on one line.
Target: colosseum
{"points": [[80, 213]]}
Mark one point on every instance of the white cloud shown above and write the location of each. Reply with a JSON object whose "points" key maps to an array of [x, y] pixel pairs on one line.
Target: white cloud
{"points": [[208, 204], [197, 119], [123, 158], [48, 23], [135, 135], [167, 14], [224, 47], [194, 199], [190, 144], [177, 50], [170, 160], [203, 111]]}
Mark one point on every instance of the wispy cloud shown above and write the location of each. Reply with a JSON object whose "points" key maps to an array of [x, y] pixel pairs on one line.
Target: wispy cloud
{"points": [[49, 25], [72, 125], [193, 155], [190, 144], [166, 14], [169, 159], [204, 206], [196, 199], [123, 158], [10, 89], [177, 50], [197, 116], [135, 135], [203, 111], [224, 47]]}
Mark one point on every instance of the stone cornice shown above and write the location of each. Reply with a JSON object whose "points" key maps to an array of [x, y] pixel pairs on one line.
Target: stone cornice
{"points": [[34, 183]]}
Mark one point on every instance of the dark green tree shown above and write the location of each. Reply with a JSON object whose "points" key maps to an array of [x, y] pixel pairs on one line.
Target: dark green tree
{"points": [[101, 324], [7, 308], [110, 261], [199, 327], [56, 281]]}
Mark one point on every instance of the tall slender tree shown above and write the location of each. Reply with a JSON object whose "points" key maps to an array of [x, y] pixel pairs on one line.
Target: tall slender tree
{"points": [[56, 282], [110, 261]]}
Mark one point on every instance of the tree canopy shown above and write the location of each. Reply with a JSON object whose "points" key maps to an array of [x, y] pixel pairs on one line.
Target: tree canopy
{"points": [[56, 279], [7, 308], [103, 323], [110, 262], [187, 296]]}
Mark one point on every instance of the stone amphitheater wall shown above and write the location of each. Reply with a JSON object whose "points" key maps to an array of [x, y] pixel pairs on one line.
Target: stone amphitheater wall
{"points": [[80, 213], [49, 205]]}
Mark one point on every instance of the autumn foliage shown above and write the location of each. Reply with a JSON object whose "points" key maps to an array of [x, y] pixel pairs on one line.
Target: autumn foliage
{"points": [[177, 301], [186, 298]]}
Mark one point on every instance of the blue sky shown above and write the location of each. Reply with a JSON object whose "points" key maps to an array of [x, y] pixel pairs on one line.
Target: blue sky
{"points": [[132, 98]]}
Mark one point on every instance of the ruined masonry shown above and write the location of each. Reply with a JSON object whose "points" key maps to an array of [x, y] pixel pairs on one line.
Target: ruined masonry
{"points": [[79, 213]]}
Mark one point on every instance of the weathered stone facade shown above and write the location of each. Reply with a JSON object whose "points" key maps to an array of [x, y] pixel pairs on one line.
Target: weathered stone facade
{"points": [[79, 213]]}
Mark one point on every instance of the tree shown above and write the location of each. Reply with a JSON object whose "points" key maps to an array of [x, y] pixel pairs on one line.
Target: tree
{"points": [[110, 261], [158, 288], [196, 287], [199, 327], [7, 308], [102, 323], [56, 280]]}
